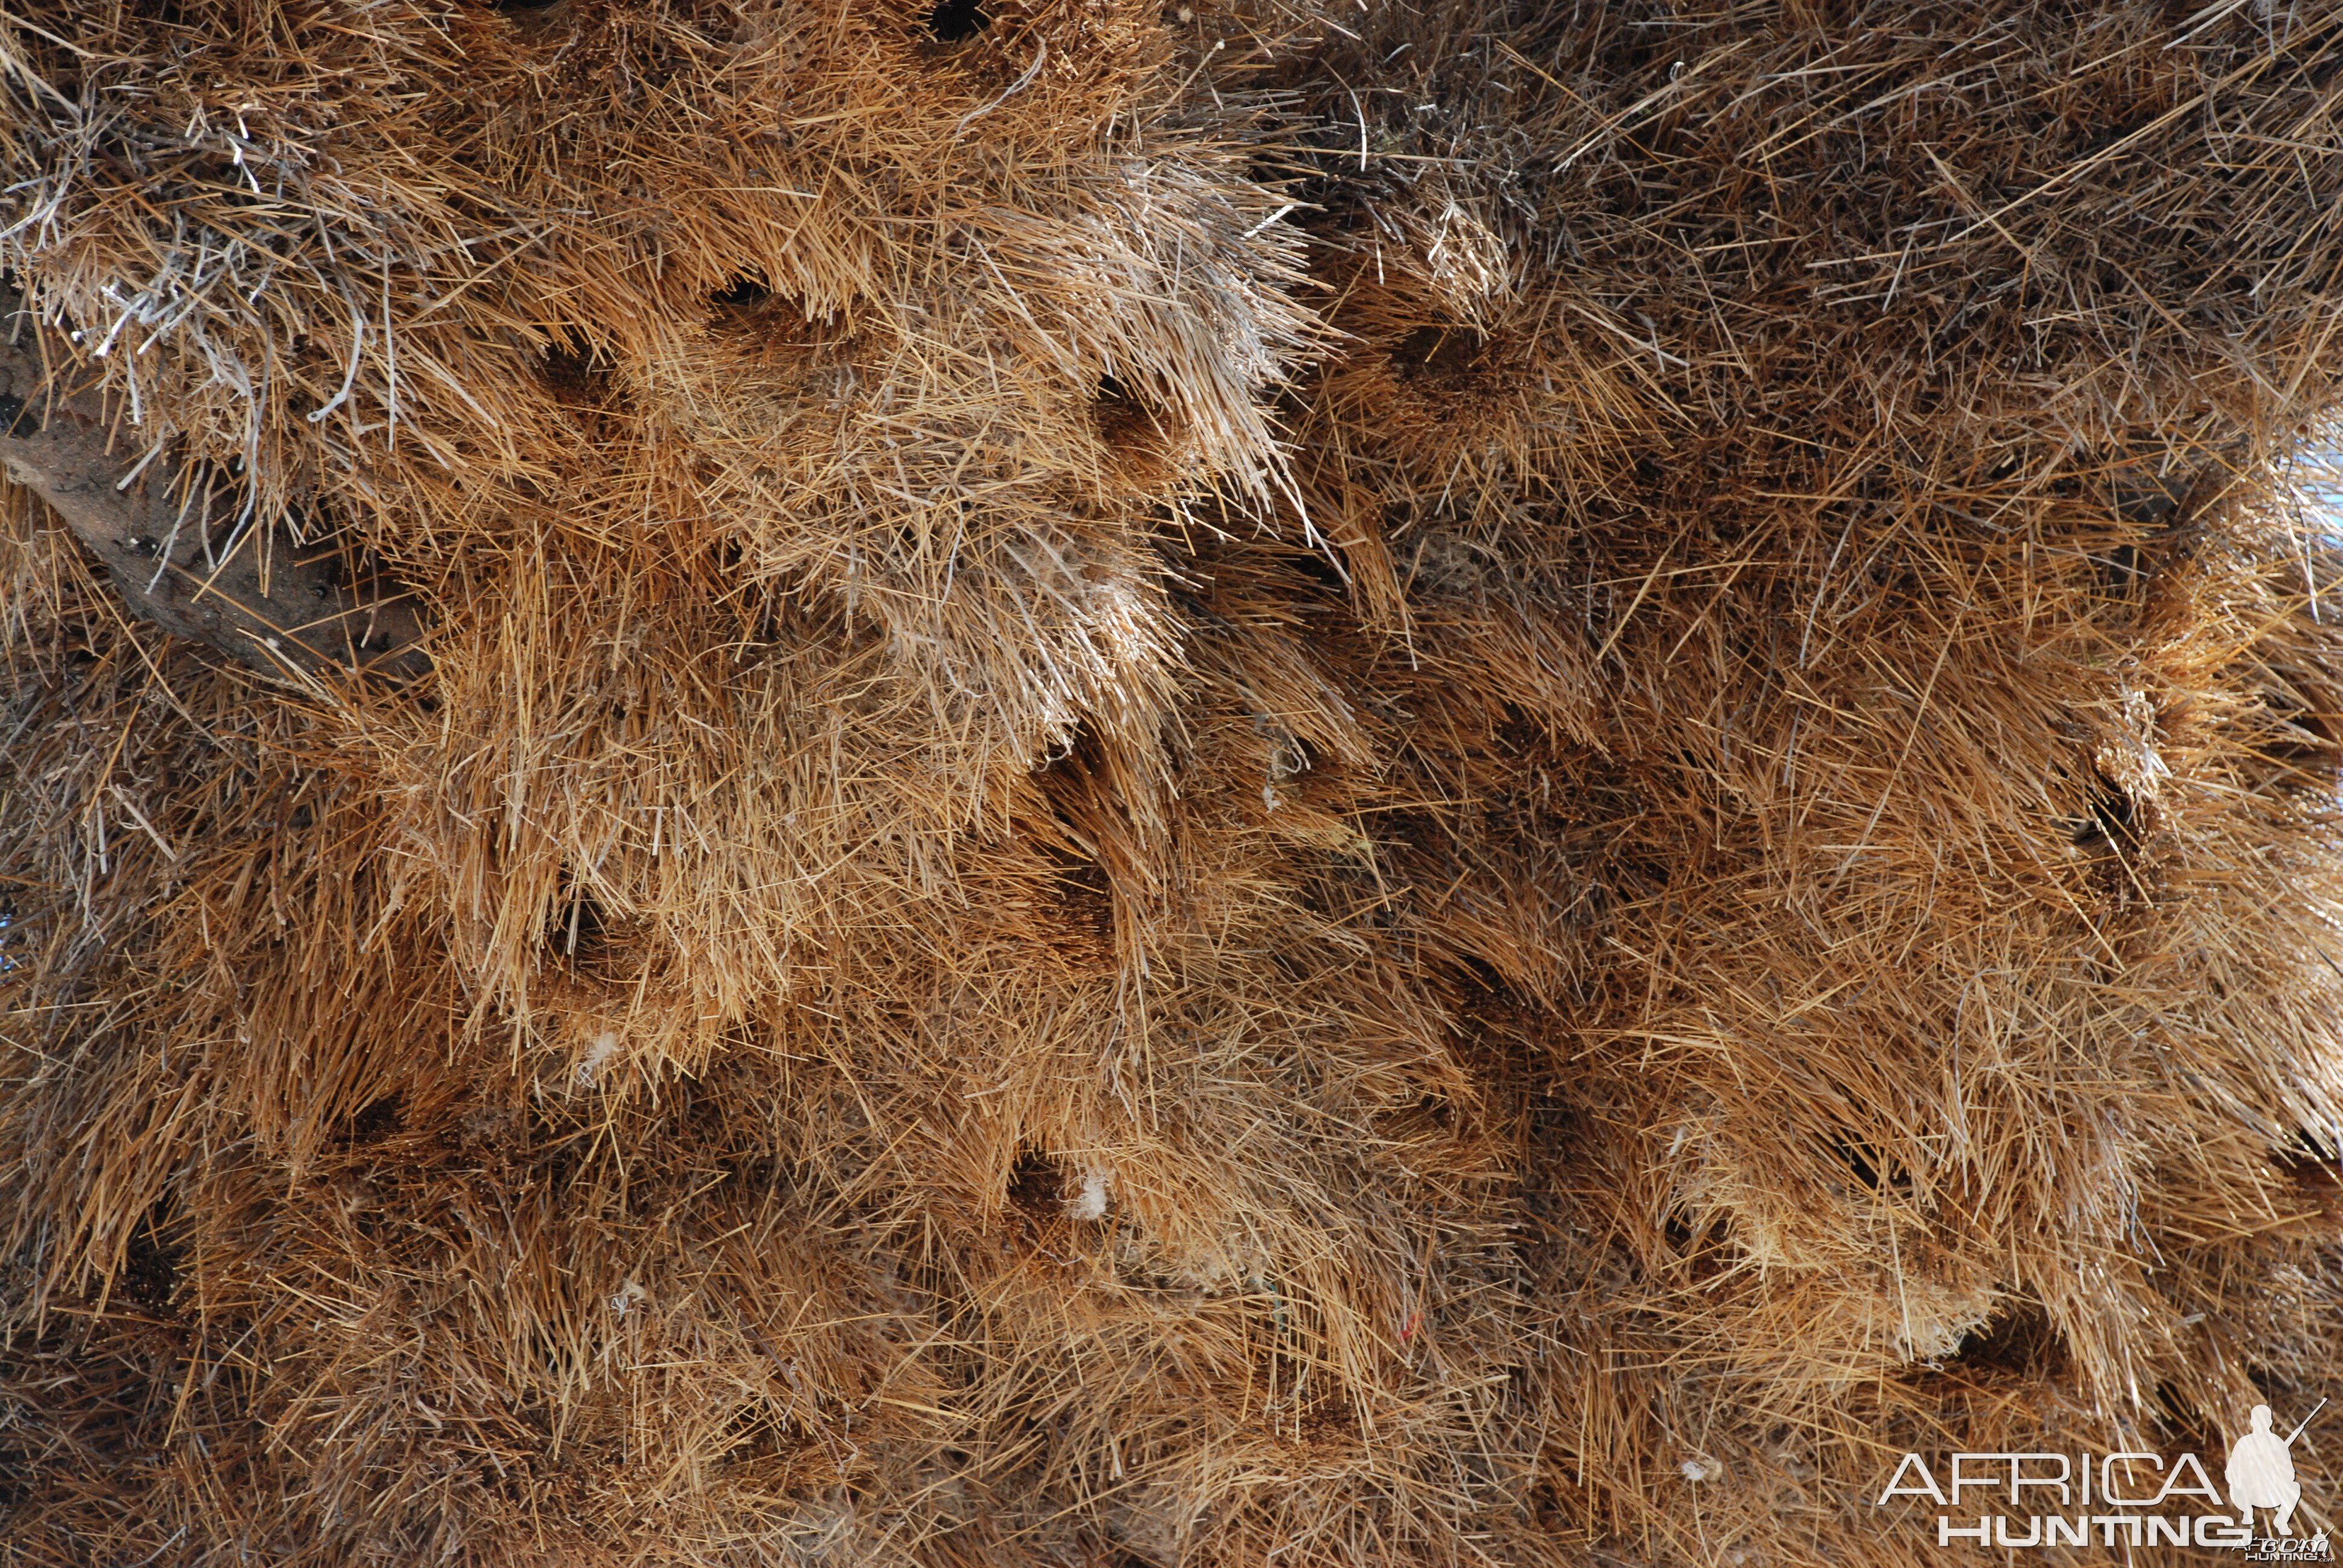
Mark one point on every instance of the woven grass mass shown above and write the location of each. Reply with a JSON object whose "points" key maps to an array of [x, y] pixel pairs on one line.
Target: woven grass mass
{"points": [[1071, 783]]}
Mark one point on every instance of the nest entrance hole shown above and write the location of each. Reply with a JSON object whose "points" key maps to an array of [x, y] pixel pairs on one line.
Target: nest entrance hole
{"points": [[2122, 569], [1871, 1170], [745, 292], [2111, 820], [580, 928], [1071, 780], [2309, 1162], [957, 21], [150, 1262], [2022, 1341], [1122, 420], [382, 1116], [1438, 351], [574, 370], [1037, 1184]]}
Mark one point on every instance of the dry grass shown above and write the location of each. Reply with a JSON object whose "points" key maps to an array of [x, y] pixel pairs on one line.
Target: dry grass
{"points": [[1198, 784]]}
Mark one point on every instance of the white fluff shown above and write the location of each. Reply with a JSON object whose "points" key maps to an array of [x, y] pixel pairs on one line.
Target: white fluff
{"points": [[589, 1070], [1090, 1204]]}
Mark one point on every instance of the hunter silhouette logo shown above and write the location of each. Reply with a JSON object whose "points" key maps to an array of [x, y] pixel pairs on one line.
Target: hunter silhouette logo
{"points": [[2125, 1498], [2261, 1473]]}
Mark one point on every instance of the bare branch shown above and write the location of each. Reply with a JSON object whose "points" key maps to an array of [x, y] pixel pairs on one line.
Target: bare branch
{"points": [[160, 528]]}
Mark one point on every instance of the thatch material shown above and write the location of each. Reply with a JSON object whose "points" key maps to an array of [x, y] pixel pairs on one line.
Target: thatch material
{"points": [[1465, 784]]}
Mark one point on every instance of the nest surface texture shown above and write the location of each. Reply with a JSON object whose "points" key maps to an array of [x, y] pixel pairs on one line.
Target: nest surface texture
{"points": [[1109, 784]]}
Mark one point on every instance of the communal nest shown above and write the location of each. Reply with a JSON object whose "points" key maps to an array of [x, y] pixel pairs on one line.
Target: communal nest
{"points": [[1062, 781]]}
